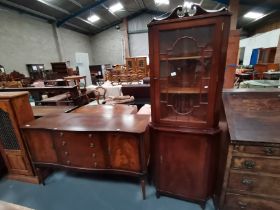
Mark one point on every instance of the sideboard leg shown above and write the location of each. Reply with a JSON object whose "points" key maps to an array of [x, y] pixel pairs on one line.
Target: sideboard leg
{"points": [[143, 186], [40, 176]]}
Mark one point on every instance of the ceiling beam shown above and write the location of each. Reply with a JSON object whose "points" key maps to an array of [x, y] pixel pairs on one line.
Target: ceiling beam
{"points": [[76, 3], [54, 6], [80, 11], [26, 10]]}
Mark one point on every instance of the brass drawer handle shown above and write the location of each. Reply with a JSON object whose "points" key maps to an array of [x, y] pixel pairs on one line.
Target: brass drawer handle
{"points": [[91, 145], [95, 164], [68, 162], [93, 155], [249, 164], [242, 205], [247, 182], [61, 134], [268, 150], [90, 135], [66, 153], [63, 143]]}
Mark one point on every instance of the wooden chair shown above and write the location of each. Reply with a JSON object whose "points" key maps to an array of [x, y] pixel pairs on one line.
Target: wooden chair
{"points": [[100, 93]]}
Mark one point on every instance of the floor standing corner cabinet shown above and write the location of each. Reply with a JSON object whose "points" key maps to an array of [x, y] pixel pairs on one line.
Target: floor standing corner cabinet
{"points": [[15, 111], [187, 61], [91, 142]]}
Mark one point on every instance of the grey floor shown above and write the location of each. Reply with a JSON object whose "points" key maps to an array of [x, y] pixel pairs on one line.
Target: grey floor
{"points": [[72, 191]]}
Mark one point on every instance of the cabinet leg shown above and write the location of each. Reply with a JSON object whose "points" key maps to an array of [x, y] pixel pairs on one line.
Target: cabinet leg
{"points": [[157, 195], [40, 175], [143, 186], [202, 205]]}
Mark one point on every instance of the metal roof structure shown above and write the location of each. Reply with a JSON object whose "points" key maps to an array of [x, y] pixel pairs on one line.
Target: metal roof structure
{"points": [[73, 14]]}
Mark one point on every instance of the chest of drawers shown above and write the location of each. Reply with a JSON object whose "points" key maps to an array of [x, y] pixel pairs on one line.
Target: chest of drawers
{"points": [[97, 143], [252, 172]]}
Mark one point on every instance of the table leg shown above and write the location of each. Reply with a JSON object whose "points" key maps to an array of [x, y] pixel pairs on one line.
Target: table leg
{"points": [[143, 186]]}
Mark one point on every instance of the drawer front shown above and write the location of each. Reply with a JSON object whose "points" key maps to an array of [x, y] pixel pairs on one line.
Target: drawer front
{"points": [[235, 202], [268, 185], [258, 150], [83, 150], [256, 164]]}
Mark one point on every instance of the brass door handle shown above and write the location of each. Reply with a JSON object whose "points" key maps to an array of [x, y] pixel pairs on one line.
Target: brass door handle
{"points": [[93, 155], [268, 150], [66, 153], [95, 164], [247, 182], [63, 143], [249, 164], [68, 162], [242, 205], [91, 145]]}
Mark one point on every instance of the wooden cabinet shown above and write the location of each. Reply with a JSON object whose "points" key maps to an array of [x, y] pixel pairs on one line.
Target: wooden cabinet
{"points": [[187, 74], [15, 110], [36, 71], [252, 173], [103, 143]]}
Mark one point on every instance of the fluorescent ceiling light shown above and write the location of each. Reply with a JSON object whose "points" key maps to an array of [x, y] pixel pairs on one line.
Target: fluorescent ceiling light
{"points": [[93, 18], [116, 7], [253, 15], [166, 2]]}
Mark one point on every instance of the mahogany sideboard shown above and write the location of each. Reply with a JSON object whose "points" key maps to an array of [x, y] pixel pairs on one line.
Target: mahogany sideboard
{"points": [[252, 172], [91, 142]]}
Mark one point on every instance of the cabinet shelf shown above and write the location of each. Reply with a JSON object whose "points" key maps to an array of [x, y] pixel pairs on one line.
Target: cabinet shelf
{"points": [[164, 58], [184, 90]]}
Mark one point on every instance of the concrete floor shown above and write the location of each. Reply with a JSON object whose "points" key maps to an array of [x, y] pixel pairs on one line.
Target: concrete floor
{"points": [[72, 191]]}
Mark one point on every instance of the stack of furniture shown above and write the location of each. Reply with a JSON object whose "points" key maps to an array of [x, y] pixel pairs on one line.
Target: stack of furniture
{"points": [[15, 111], [252, 172], [187, 74]]}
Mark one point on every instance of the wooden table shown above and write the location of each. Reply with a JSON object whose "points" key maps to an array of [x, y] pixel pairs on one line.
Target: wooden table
{"points": [[91, 142], [107, 109], [41, 111]]}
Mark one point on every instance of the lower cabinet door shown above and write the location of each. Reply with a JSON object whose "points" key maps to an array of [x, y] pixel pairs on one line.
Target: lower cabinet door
{"points": [[124, 151], [236, 202], [80, 149], [182, 165]]}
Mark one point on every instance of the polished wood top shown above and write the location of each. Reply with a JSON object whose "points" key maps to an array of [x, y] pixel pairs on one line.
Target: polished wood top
{"points": [[91, 122], [75, 77], [107, 109], [254, 115], [12, 94], [40, 111]]}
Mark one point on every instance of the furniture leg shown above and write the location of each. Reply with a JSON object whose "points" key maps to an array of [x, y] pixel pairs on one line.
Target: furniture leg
{"points": [[40, 175], [143, 186]]}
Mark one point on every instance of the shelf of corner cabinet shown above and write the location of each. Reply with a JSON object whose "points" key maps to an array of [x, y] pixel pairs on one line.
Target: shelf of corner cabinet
{"points": [[164, 58], [184, 90]]}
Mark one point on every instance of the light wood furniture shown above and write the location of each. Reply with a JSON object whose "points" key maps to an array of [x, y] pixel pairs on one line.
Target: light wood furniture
{"points": [[116, 109], [15, 111], [41, 111], [89, 142], [187, 74], [252, 172]]}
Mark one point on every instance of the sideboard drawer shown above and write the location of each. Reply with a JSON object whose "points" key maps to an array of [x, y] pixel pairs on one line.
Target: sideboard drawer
{"points": [[236, 202], [258, 150], [255, 164], [83, 150], [250, 182]]}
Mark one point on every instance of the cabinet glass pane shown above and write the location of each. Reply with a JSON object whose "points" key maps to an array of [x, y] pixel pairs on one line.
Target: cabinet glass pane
{"points": [[185, 66]]}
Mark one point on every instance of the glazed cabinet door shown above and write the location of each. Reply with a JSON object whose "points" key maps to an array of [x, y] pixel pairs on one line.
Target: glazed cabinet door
{"points": [[181, 165], [186, 73]]}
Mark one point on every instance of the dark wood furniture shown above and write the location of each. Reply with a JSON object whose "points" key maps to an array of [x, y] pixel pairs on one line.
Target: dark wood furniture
{"points": [[15, 111], [41, 111], [89, 142], [36, 71], [2, 167], [187, 74], [37, 92], [252, 172], [60, 69], [116, 109]]}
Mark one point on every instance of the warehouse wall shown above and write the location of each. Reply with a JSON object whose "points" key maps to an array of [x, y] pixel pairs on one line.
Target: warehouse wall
{"points": [[265, 40], [108, 47], [25, 39]]}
